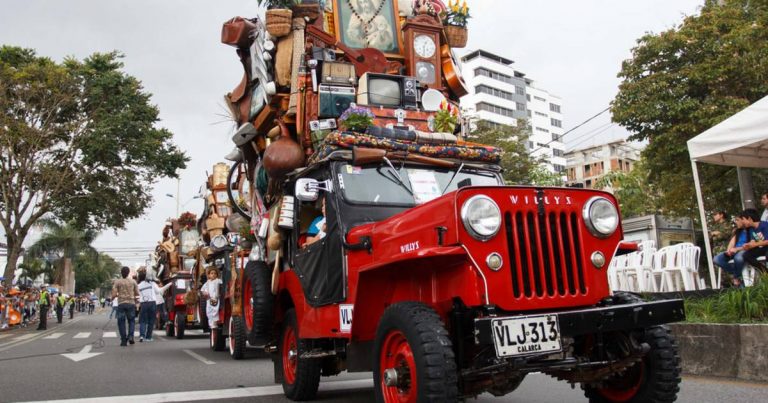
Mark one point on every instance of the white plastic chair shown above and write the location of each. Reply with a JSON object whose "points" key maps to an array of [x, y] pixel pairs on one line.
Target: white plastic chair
{"points": [[614, 277], [680, 266]]}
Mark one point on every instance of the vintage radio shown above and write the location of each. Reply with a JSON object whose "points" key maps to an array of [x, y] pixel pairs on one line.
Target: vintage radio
{"points": [[333, 100], [388, 91], [338, 73]]}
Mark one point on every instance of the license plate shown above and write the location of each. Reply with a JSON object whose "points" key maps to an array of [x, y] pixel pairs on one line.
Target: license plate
{"points": [[526, 335], [191, 318]]}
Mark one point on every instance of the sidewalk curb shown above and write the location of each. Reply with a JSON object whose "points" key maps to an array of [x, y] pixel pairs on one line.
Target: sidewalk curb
{"points": [[723, 350]]}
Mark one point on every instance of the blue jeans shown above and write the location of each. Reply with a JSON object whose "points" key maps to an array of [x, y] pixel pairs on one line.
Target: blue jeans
{"points": [[147, 319], [126, 312], [734, 267], [114, 310]]}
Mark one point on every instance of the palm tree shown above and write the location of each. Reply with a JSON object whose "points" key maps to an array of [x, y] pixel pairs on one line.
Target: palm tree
{"points": [[32, 268], [63, 244]]}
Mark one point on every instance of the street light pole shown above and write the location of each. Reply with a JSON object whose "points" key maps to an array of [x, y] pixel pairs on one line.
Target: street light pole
{"points": [[178, 191]]}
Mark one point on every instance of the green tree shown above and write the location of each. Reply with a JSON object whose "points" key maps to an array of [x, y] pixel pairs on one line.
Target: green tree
{"points": [[516, 162], [685, 80], [32, 268], [79, 141], [64, 245], [95, 271], [636, 195]]}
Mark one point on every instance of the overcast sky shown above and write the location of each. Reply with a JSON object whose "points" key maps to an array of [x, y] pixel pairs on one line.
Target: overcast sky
{"points": [[571, 48]]}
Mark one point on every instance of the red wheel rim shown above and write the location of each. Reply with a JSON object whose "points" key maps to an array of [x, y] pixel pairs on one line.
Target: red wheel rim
{"points": [[625, 388], [290, 355], [396, 353], [248, 305]]}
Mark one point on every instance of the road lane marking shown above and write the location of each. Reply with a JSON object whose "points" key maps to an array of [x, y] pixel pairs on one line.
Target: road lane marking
{"points": [[216, 395], [108, 335], [198, 357], [36, 336], [82, 335], [54, 336], [84, 354], [24, 337]]}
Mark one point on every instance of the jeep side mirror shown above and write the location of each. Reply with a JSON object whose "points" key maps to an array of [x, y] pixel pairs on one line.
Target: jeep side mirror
{"points": [[308, 188]]}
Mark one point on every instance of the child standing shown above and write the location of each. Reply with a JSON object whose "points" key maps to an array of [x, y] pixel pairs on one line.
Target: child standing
{"points": [[210, 292]]}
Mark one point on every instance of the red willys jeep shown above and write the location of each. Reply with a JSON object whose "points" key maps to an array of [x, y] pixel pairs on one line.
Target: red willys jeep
{"points": [[447, 284]]}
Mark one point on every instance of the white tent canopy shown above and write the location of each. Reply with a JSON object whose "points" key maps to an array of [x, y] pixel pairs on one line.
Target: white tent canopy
{"points": [[741, 141]]}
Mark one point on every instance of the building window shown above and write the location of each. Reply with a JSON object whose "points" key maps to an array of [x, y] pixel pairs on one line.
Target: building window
{"points": [[484, 89], [541, 114], [520, 106], [556, 122], [539, 99], [557, 152], [541, 129], [557, 137], [554, 107], [558, 168], [494, 75], [528, 97], [530, 145], [519, 90], [529, 113], [484, 106], [543, 145]]}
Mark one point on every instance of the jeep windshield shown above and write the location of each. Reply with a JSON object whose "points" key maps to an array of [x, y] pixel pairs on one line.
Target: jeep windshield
{"points": [[407, 185]]}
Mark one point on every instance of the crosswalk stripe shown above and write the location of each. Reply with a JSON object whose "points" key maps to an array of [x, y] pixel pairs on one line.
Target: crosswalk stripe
{"points": [[2, 336], [54, 336], [108, 335], [24, 337], [82, 335]]}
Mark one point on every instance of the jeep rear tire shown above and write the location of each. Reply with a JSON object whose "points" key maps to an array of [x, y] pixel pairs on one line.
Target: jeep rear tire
{"points": [[301, 376], [180, 324], [414, 358], [258, 302], [236, 337], [655, 379]]}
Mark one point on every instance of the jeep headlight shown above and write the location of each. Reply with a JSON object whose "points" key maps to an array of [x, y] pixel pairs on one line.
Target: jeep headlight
{"points": [[601, 217], [481, 217]]}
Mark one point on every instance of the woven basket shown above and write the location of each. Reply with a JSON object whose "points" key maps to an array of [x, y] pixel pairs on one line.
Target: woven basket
{"points": [[311, 11], [457, 36], [278, 22]]}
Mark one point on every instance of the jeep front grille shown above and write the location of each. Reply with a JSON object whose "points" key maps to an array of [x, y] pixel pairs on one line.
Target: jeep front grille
{"points": [[545, 255]]}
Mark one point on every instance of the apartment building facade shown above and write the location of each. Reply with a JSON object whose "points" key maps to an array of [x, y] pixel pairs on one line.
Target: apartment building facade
{"points": [[501, 95], [584, 167]]}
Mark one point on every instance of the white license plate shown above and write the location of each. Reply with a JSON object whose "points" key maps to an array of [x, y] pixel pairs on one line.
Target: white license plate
{"points": [[526, 335]]}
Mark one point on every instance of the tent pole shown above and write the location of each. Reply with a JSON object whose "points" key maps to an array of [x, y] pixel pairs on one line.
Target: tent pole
{"points": [[703, 215]]}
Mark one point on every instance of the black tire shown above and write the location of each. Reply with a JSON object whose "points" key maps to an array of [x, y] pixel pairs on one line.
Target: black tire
{"points": [[170, 329], [232, 201], [261, 303], [203, 315], [236, 339], [416, 331], [217, 339], [301, 376], [180, 324], [655, 379]]}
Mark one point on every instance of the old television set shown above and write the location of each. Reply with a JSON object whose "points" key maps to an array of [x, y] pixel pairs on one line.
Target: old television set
{"points": [[388, 90]]}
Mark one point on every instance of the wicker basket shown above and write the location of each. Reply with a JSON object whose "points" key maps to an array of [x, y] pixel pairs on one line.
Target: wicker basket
{"points": [[278, 22], [457, 36]]}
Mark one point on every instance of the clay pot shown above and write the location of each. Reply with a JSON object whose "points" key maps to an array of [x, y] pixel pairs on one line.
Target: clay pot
{"points": [[283, 155]]}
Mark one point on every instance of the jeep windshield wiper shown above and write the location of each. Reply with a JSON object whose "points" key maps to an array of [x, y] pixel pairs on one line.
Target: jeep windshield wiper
{"points": [[453, 177], [397, 176]]}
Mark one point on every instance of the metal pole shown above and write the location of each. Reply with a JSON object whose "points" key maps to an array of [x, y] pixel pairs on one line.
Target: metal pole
{"points": [[703, 215], [178, 190], [746, 188]]}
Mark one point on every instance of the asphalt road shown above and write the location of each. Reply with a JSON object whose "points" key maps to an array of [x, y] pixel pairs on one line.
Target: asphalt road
{"points": [[34, 367]]}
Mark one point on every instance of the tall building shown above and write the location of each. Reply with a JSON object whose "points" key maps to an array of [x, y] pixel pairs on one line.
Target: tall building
{"points": [[501, 95], [586, 166]]}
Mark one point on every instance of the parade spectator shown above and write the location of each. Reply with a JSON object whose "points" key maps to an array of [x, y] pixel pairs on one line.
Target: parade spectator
{"points": [[114, 308], [3, 309], [126, 291], [734, 251], [44, 303], [764, 203], [148, 295], [91, 305], [757, 245], [160, 301], [720, 232], [317, 228]]}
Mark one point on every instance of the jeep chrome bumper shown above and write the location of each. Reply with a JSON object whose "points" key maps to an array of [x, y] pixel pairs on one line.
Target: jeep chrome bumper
{"points": [[595, 320]]}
